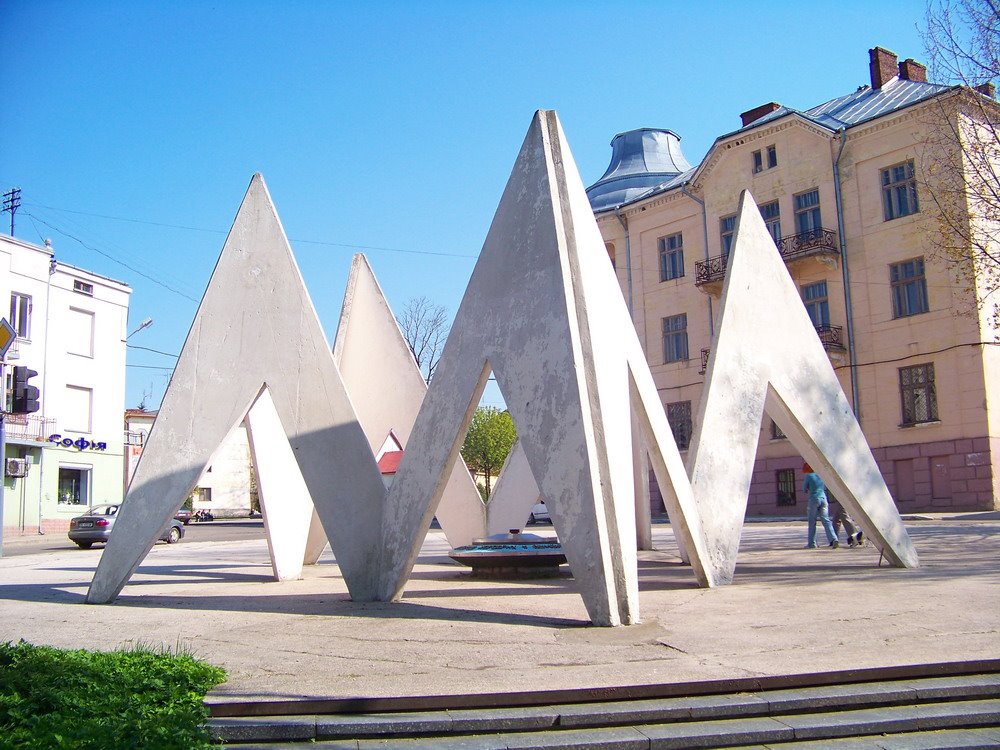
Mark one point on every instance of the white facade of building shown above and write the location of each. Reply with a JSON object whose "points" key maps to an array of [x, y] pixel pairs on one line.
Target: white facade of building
{"points": [[71, 328]]}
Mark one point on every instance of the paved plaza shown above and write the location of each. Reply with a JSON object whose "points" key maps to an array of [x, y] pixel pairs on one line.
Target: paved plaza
{"points": [[790, 610]]}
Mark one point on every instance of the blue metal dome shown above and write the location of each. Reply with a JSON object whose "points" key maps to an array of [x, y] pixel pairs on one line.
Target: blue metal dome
{"points": [[640, 160]]}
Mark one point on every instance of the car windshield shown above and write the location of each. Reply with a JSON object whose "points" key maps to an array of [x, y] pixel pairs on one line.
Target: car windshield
{"points": [[103, 510]]}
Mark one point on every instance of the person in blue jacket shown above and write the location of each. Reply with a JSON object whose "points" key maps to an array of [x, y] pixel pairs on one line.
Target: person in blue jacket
{"points": [[818, 506]]}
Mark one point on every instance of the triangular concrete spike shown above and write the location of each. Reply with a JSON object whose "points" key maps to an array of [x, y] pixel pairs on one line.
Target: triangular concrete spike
{"points": [[768, 356], [514, 494], [387, 389], [523, 316], [255, 326], [285, 502]]}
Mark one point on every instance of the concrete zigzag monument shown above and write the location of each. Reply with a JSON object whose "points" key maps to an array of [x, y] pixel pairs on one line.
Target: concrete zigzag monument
{"points": [[543, 312], [255, 330], [767, 357]]}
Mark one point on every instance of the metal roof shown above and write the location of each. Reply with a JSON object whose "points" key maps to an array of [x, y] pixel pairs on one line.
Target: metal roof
{"points": [[643, 165], [640, 160]]}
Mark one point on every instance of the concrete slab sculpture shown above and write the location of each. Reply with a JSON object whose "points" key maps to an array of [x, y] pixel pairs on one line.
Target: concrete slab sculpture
{"points": [[387, 389], [256, 330], [543, 312], [767, 357]]}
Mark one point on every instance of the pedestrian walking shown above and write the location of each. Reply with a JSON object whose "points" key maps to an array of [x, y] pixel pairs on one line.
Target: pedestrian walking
{"points": [[818, 507], [855, 537]]}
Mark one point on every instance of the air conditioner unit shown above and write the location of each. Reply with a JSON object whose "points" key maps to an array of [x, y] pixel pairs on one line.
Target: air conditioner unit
{"points": [[17, 467]]}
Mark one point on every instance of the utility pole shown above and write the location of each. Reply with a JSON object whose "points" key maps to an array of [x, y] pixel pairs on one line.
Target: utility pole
{"points": [[12, 202]]}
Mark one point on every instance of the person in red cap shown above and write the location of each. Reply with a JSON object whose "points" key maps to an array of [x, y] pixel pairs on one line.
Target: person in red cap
{"points": [[818, 507]]}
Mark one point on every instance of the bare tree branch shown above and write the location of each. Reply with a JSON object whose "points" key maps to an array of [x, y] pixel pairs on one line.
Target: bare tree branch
{"points": [[425, 328]]}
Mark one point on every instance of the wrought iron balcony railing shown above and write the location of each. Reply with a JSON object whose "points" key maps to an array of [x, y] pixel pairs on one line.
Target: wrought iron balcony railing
{"points": [[28, 427], [704, 361], [792, 247], [831, 336], [804, 244]]}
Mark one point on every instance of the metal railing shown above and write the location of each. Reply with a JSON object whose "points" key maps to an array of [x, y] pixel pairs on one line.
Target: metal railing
{"points": [[28, 427], [794, 246], [704, 360], [831, 336], [814, 242]]}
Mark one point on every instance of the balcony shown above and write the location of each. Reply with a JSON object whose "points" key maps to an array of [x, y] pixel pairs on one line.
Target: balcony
{"points": [[28, 428], [709, 274], [832, 338]]}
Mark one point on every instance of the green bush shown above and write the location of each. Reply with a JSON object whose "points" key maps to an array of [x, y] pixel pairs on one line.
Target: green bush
{"points": [[133, 698]]}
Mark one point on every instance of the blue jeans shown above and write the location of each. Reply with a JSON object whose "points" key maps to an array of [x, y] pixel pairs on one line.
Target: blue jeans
{"points": [[818, 507]]}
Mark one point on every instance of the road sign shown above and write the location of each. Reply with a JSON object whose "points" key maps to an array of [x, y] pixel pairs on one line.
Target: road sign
{"points": [[7, 336]]}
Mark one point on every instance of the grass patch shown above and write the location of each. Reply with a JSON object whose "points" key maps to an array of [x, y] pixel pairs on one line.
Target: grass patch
{"points": [[132, 698]]}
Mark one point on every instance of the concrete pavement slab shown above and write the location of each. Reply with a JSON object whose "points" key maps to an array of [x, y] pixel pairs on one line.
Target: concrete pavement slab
{"points": [[794, 611]]}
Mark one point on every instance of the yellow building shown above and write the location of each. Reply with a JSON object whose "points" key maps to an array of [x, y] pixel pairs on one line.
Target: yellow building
{"points": [[841, 187]]}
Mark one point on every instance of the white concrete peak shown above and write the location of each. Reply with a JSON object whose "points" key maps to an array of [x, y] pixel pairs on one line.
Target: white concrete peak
{"points": [[544, 313], [768, 357], [387, 389], [256, 328]]}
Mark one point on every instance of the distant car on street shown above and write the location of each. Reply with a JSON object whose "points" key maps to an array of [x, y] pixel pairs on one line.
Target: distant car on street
{"points": [[539, 514], [184, 516], [96, 524]]}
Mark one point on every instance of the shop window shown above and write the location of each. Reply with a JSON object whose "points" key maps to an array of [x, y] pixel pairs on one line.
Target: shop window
{"points": [[74, 485]]}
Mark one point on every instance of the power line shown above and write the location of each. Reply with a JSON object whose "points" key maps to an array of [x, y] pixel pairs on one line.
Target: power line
{"points": [[114, 259], [155, 351], [291, 239]]}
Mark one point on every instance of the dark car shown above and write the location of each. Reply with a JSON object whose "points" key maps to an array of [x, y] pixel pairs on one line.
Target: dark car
{"points": [[183, 515], [96, 524]]}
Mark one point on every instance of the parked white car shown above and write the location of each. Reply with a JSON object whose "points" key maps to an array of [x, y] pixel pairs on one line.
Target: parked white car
{"points": [[539, 514]]}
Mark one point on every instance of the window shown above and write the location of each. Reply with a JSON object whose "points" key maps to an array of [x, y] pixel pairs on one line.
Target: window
{"points": [[675, 338], [776, 433], [772, 218], [727, 225], [671, 257], [817, 304], [909, 288], [79, 329], [679, 418], [610, 247], [807, 216], [83, 287], [758, 159], [917, 394], [899, 191], [78, 409], [74, 485], [20, 315], [786, 486]]}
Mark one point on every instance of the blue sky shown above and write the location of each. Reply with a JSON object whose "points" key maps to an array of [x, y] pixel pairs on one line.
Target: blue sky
{"points": [[133, 128]]}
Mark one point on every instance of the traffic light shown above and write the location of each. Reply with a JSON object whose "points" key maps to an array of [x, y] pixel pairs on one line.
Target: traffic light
{"points": [[24, 397]]}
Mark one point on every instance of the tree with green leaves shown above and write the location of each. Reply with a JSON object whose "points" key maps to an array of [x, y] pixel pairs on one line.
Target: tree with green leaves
{"points": [[488, 442]]}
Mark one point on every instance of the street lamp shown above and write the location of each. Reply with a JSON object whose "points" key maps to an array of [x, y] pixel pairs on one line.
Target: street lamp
{"points": [[144, 324]]}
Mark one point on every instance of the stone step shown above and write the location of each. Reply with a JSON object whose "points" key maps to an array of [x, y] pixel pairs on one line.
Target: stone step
{"points": [[772, 715]]}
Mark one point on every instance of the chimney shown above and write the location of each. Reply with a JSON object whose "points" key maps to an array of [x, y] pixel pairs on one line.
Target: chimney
{"points": [[987, 89], [882, 66], [752, 115], [911, 70]]}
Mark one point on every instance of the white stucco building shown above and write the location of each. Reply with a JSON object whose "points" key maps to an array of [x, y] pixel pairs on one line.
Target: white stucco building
{"points": [[71, 329]]}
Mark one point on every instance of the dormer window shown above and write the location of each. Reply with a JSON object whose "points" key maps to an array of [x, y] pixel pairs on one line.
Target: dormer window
{"points": [[82, 287]]}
